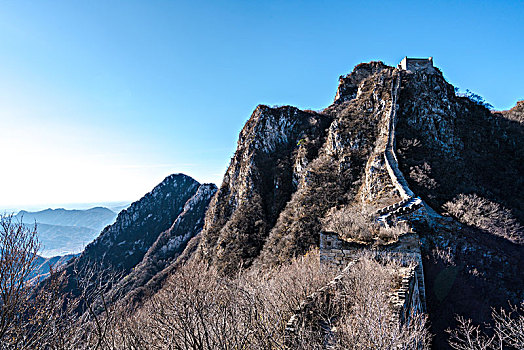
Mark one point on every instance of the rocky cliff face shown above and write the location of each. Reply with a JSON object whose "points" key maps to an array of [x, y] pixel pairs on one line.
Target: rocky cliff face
{"points": [[124, 244], [516, 113], [450, 145], [349, 167], [292, 166], [274, 148]]}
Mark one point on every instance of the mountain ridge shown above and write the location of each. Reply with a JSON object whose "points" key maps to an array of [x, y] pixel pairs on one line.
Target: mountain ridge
{"points": [[295, 170]]}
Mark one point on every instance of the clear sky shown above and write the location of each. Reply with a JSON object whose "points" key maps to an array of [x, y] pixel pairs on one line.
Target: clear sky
{"points": [[100, 100]]}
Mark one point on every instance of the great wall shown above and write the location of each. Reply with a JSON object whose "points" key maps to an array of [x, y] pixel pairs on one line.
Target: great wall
{"points": [[410, 298]]}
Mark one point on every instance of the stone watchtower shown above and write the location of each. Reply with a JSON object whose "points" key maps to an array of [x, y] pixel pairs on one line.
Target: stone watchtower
{"points": [[416, 64]]}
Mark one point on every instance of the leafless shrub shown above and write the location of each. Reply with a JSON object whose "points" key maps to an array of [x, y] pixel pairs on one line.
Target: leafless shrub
{"points": [[200, 308], [352, 223], [368, 319], [446, 255], [422, 176], [30, 317], [358, 224], [392, 232], [486, 215], [18, 248], [509, 325], [508, 332], [470, 337], [97, 315]]}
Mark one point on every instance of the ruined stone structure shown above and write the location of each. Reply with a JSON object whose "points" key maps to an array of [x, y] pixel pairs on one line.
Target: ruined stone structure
{"points": [[411, 297], [406, 301], [304, 312], [414, 64]]}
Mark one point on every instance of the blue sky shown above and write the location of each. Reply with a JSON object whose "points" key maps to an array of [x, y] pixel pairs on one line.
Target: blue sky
{"points": [[100, 100]]}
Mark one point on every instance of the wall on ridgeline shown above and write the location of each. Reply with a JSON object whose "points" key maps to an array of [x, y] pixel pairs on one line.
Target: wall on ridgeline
{"points": [[390, 157]]}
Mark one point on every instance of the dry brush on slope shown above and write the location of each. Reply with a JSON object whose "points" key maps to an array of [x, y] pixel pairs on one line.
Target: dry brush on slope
{"points": [[358, 224], [486, 215], [201, 309], [507, 331]]}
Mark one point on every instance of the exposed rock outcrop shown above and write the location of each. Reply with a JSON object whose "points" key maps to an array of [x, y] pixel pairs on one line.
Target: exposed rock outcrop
{"points": [[167, 248], [292, 166], [273, 148], [516, 113]]}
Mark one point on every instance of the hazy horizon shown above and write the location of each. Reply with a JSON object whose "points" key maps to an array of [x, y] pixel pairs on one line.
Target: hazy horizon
{"points": [[68, 206], [101, 101]]}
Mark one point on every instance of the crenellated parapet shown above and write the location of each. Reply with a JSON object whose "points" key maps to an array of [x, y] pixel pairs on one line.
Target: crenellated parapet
{"points": [[416, 64]]}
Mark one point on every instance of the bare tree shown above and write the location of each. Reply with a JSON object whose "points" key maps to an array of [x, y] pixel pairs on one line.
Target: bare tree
{"points": [[507, 332], [18, 248], [484, 214], [45, 316]]}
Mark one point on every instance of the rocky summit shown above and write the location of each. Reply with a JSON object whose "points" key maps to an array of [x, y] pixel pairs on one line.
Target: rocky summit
{"points": [[145, 237]]}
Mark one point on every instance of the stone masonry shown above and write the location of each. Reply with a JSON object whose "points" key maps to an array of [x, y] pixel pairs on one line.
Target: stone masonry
{"points": [[414, 64]]}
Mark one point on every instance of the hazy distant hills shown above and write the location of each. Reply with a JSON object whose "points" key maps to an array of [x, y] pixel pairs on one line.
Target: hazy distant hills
{"points": [[42, 266], [60, 240], [94, 218], [63, 231]]}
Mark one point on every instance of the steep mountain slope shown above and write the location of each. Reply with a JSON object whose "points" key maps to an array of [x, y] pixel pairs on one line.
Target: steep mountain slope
{"points": [[167, 247], [275, 146], [122, 245], [465, 160], [450, 145], [292, 167], [349, 167]]}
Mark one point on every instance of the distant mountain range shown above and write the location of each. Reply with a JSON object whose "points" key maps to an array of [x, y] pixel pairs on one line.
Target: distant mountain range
{"points": [[63, 231], [42, 266], [94, 218]]}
